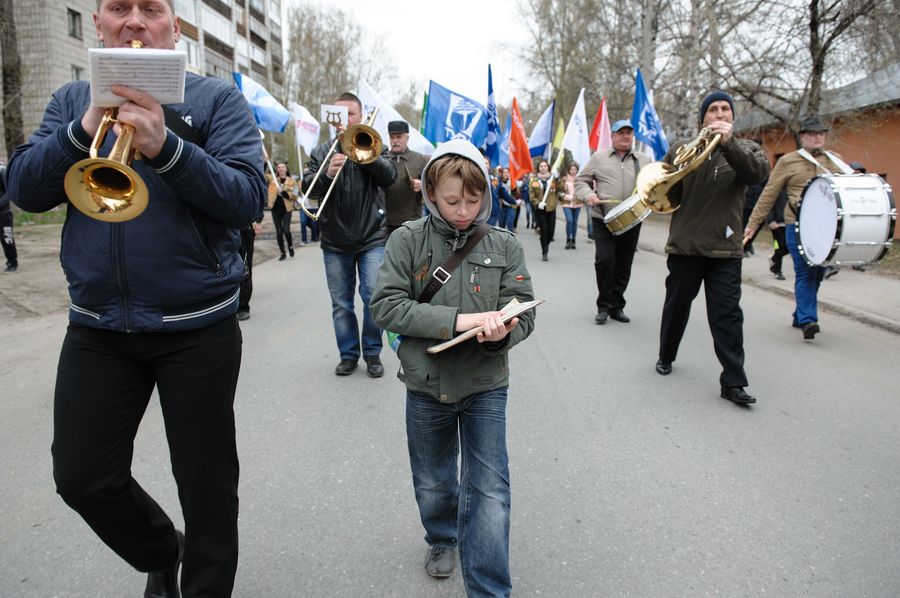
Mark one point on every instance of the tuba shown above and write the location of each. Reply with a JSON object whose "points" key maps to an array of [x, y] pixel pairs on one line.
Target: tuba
{"points": [[655, 180], [361, 143], [108, 189]]}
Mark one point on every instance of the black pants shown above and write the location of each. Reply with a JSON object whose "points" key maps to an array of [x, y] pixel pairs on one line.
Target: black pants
{"points": [[7, 239], [613, 256], [721, 279], [282, 220], [248, 236], [103, 385], [781, 249], [546, 221]]}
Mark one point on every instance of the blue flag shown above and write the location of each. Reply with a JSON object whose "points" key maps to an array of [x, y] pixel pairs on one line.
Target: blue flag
{"points": [[504, 143], [270, 115], [647, 127], [542, 134], [492, 142], [453, 116]]}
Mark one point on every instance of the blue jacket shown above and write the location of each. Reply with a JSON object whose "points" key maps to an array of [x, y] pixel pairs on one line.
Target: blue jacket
{"points": [[176, 266]]}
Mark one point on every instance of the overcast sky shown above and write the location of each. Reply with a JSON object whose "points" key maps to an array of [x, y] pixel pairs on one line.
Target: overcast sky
{"points": [[451, 42]]}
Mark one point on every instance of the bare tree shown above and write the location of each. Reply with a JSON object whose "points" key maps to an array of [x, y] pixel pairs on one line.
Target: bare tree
{"points": [[13, 132]]}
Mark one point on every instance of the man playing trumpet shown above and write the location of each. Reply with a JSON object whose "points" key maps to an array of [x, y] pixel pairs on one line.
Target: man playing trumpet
{"points": [[153, 304]]}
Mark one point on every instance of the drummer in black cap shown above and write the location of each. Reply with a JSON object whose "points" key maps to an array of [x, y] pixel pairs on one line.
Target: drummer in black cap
{"points": [[403, 199], [791, 173]]}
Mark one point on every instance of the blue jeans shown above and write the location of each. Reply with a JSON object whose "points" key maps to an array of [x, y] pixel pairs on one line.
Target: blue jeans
{"points": [[507, 218], [571, 222], [590, 222], [306, 221], [472, 509], [340, 274], [806, 282]]}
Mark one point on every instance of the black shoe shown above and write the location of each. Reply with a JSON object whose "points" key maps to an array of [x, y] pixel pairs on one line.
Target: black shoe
{"points": [[779, 276], [291, 251], [374, 368], [601, 317], [810, 330], [619, 316], [282, 257], [11, 268], [663, 368], [736, 394], [830, 271], [544, 258], [440, 561], [243, 315], [164, 583], [345, 367]]}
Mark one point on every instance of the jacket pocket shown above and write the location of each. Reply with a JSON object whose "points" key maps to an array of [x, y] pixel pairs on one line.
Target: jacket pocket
{"points": [[201, 237], [483, 272]]}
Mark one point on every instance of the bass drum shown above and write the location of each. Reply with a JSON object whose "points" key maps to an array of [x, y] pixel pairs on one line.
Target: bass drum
{"points": [[845, 219], [626, 215]]}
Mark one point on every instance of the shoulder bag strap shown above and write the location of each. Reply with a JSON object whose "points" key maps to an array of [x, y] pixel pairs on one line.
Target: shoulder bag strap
{"points": [[443, 273]]}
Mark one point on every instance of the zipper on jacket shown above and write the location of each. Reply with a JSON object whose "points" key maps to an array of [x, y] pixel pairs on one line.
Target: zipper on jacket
{"points": [[117, 251], [207, 245]]}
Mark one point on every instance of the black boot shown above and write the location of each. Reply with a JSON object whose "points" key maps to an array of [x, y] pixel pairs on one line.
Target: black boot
{"points": [[164, 583]]}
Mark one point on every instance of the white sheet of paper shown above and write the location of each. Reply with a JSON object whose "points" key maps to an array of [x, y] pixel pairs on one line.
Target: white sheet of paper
{"points": [[728, 232], [157, 72]]}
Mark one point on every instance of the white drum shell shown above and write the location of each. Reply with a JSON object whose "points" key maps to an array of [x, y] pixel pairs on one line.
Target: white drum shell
{"points": [[845, 219]]}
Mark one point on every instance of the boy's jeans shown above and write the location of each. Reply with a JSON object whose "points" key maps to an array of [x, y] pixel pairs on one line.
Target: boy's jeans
{"points": [[474, 508], [340, 274]]}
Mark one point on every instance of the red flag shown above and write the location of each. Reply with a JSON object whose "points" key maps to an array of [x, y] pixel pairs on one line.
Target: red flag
{"points": [[600, 137], [519, 156]]}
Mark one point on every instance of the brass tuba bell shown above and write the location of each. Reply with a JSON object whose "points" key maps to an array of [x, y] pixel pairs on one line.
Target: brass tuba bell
{"points": [[108, 189]]}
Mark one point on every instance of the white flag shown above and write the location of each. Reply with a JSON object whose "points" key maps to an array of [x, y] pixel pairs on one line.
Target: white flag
{"points": [[577, 134], [386, 113], [542, 133], [306, 126]]}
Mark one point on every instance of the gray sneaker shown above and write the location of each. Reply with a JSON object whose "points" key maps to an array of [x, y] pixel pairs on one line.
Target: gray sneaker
{"points": [[440, 561]]}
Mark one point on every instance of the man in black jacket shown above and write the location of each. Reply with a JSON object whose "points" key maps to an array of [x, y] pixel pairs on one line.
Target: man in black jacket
{"points": [[352, 236]]}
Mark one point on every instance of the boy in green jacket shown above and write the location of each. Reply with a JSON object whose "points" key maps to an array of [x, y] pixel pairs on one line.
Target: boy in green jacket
{"points": [[457, 398]]}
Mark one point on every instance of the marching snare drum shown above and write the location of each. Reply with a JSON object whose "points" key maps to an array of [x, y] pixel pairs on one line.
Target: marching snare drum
{"points": [[625, 216], [845, 219]]}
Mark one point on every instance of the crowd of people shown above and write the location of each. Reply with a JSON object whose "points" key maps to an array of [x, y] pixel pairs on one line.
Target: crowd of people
{"points": [[429, 245]]}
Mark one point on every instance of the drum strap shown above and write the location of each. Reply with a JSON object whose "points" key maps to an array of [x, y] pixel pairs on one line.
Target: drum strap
{"points": [[843, 167]]}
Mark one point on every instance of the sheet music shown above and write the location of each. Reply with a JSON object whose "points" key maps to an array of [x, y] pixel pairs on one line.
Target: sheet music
{"points": [[157, 72]]}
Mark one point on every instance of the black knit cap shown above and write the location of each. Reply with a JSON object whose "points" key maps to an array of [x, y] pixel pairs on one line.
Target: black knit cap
{"points": [[716, 95]]}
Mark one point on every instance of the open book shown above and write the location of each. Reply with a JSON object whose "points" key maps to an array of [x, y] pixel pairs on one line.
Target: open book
{"points": [[509, 311]]}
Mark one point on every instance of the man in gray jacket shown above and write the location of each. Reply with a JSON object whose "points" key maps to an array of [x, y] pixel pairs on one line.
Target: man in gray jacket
{"points": [[608, 178]]}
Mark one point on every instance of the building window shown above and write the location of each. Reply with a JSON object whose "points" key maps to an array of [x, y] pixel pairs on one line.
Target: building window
{"points": [[190, 47], [185, 10], [75, 24], [77, 73]]}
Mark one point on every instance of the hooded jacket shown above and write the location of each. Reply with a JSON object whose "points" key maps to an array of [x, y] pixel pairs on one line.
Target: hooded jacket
{"points": [[176, 266], [493, 274]]}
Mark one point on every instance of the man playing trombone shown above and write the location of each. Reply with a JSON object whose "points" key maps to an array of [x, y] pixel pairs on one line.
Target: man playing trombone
{"points": [[153, 304], [352, 236]]}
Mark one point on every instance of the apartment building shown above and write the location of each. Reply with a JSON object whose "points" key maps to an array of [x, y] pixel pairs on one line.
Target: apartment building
{"points": [[219, 37]]}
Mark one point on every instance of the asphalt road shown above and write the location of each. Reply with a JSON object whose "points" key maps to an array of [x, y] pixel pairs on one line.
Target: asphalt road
{"points": [[624, 483]]}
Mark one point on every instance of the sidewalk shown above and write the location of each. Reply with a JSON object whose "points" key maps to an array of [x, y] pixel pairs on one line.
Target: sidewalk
{"points": [[870, 298]]}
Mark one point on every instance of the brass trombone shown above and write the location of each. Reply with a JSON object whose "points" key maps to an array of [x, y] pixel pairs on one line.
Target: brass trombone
{"points": [[108, 189], [361, 143]]}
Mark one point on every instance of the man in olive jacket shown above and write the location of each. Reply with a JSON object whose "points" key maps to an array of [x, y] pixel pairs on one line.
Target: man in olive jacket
{"points": [[403, 199], [704, 246], [352, 237]]}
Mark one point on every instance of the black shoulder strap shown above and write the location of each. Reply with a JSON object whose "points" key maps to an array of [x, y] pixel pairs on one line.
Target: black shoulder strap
{"points": [[177, 125], [442, 273]]}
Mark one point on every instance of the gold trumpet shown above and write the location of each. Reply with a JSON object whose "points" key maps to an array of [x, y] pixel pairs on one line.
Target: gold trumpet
{"points": [[108, 189], [361, 143], [655, 180]]}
